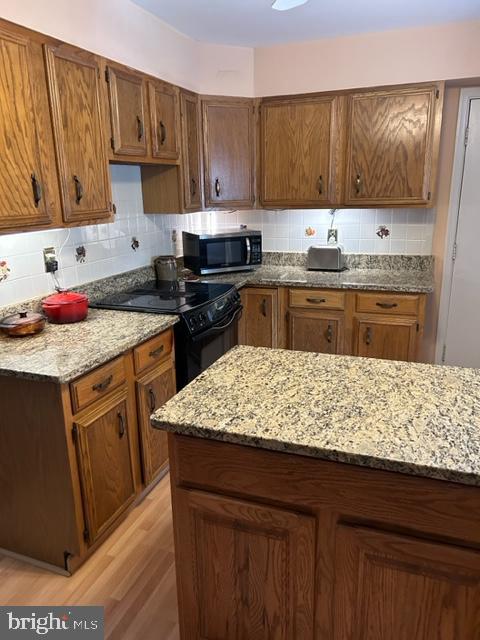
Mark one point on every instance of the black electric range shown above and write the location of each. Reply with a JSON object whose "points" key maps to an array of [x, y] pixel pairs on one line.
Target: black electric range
{"points": [[208, 311]]}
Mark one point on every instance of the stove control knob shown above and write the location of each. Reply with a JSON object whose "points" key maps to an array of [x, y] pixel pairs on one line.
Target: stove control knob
{"points": [[202, 317]]}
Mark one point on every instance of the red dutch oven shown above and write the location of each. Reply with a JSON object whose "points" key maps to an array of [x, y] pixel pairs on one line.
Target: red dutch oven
{"points": [[65, 307]]}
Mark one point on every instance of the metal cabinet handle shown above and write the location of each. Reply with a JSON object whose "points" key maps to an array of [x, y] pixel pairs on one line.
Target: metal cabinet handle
{"points": [[37, 189], [320, 185], [121, 424], [156, 352], [387, 305], [78, 189], [358, 183], [163, 133], [316, 300], [193, 189], [217, 187], [368, 336], [104, 384], [153, 399], [139, 128], [329, 333], [263, 308]]}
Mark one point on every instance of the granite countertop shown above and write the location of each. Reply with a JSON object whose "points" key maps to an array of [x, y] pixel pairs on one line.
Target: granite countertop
{"points": [[404, 281], [406, 417], [63, 352]]}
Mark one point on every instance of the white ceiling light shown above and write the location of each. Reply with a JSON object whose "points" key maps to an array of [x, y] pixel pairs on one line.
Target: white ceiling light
{"points": [[284, 5]]}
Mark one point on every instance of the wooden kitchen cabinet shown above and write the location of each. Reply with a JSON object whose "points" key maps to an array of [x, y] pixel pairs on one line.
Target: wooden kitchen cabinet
{"points": [[321, 332], [392, 145], [191, 149], [28, 189], [258, 326], [301, 151], [153, 390], [105, 463], [390, 338], [127, 103], [164, 120], [228, 139], [79, 127], [251, 569]]}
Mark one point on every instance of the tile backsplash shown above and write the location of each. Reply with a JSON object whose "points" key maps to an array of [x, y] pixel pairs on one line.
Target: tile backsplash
{"points": [[108, 247]]}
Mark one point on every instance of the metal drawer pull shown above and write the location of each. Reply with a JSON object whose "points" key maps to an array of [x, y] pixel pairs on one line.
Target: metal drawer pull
{"points": [[387, 305], [153, 399], [320, 185], [163, 133], [368, 336], [139, 128], [316, 300], [37, 189], [358, 183], [263, 308], [78, 189], [329, 333], [121, 425], [156, 352], [193, 190], [104, 384], [217, 187]]}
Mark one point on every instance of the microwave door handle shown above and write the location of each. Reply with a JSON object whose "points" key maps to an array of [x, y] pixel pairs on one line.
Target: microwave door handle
{"points": [[249, 251]]}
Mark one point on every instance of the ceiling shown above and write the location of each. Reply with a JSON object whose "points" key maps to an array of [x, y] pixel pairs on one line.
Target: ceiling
{"points": [[253, 23]]}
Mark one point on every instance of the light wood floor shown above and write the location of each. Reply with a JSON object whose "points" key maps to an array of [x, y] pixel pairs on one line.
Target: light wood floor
{"points": [[132, 575]]}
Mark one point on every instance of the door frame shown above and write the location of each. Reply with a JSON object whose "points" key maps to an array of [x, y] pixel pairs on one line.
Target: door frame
{"points": [[466, 96]]}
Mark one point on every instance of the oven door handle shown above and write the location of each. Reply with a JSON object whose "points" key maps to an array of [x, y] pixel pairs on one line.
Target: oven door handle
{"points": [[218, 328]]}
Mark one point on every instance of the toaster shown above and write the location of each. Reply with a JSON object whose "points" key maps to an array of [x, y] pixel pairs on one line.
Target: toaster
{"points": [[326, 258]]}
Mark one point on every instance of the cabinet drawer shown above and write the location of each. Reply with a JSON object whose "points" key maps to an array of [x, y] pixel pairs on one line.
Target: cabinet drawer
{"points": [[97, 384], [314, 298], [387, 303], [151, 352]]}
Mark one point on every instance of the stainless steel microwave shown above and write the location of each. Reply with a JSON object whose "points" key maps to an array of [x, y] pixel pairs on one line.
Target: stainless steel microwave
{"points": [[228, 250]]}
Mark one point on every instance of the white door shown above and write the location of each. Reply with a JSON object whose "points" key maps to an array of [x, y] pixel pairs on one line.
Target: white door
{"points": [[462, 344]]}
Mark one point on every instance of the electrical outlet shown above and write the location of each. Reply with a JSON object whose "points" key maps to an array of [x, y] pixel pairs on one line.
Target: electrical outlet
{"points": [[50, 260], [332, 236]]}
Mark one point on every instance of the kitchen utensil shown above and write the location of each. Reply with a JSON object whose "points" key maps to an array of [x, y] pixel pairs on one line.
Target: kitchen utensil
{"points": [[326, 258], [65, 307], [165, 268], [25, 323]]}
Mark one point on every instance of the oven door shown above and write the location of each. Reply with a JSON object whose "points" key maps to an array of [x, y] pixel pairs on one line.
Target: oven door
{"points": [[224, 254], [197, 353]]}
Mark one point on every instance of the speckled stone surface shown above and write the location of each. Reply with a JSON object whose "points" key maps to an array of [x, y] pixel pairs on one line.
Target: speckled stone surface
{"points": [[411, 418], [354, 260], [63, 352]]}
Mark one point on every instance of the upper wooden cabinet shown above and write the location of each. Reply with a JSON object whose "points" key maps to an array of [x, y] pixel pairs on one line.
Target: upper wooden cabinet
{"points": [[127, 101], [301, 146], [392, 146], [28, 179], [79, 126], [164, 120], [228, 138], [191, 150]]}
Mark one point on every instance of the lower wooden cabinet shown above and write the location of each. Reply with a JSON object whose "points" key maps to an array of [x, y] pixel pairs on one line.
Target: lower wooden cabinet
{"points": [[153, 390], [251, 568], [105, 463], [259, 322], [315, 331], [389, 338]]}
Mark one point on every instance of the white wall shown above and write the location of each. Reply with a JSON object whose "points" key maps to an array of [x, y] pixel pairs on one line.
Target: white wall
{"points": [[125, 32]]}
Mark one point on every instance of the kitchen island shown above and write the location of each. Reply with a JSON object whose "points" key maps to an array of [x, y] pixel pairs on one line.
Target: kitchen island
{"points": [[326, 497]]}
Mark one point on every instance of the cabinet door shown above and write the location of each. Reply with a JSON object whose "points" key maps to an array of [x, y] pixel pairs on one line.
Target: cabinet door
{"points": [[105, 464], [313, 331], [392, 587], [24, 188], [192, 182], [164, 120], [127, 112], [392, 146], [300, 147], [153, 390], [228, 129], [386, 337], [79, 130], [258, 325], [244, 570]]}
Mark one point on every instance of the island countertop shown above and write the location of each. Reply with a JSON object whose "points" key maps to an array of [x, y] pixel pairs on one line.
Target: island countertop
{"points": [[405, 417], [62, 352]]}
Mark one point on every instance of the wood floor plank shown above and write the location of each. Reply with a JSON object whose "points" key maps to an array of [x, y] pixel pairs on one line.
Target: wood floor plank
{"points": [[132, 575]]}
